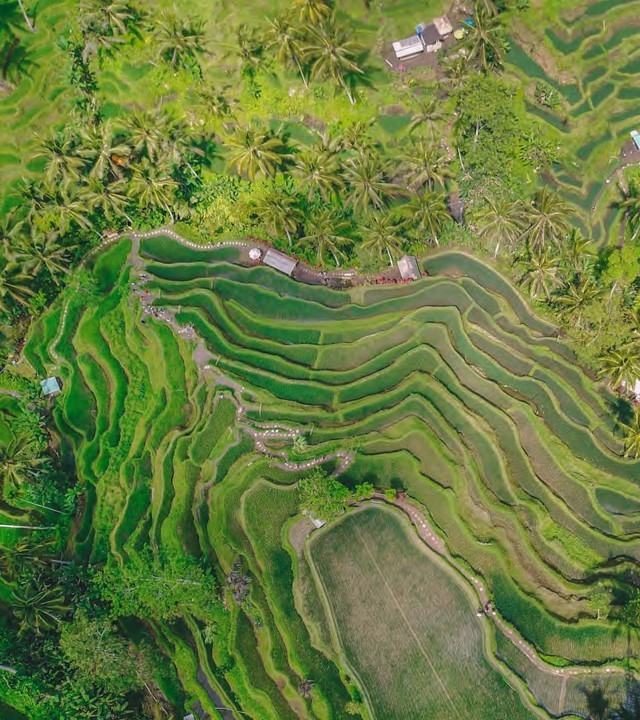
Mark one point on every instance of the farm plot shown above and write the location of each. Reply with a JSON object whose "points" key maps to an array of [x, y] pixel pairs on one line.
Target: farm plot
{"points": [[450, 389], [406, 625]]}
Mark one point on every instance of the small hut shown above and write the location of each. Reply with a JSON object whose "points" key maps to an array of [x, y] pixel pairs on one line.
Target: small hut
{"points": [[408, 267], [279, 261], [408, 47], [431, 38], [50, 387], [443, 26]]}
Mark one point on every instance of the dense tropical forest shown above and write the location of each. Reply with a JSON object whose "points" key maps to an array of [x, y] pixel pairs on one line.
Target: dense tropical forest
{"points": [[280, 121]]}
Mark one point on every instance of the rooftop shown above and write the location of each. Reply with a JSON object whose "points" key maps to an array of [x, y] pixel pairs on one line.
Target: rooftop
{"points": [[279, 261], [408, 267], [50, 386]]}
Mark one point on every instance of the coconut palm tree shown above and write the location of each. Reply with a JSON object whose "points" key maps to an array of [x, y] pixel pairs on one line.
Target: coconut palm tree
{"points": [[180, 40], [577, 254], [61, 160], [59, 206], [541, 276], [20, 462], [105, 152], [15, 285], [26, 554], [256, 152], [43, 251], [424, 164], [27, 19], [630, 205], [217, 101], [578, 295], [249, 48], [621, 365], [332, 54], [456, 70], [325, 233], [381, 235], [547, 221], [151, 187], [38, 608], [108, 17], [357, 137], [277, 211], [501, 221], [427, 213], [111, 198], [145, 132], [369, 186], [485, 43], [632, 437], [311, 12], [286, 39], [319, 171], [427, 117]]}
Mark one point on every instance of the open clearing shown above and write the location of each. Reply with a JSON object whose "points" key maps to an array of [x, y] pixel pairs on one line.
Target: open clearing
{"points": [[408, 628]]}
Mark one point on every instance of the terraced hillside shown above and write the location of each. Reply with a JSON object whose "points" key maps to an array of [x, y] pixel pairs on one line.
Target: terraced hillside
{"points": [[181, 421], [590, 55]]}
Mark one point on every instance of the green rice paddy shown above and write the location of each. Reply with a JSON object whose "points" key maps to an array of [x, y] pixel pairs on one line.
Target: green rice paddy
{"points": [[588, 58], [449, 388]]}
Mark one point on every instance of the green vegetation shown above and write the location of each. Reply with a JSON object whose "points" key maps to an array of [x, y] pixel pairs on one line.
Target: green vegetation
{"points": [[156, 555]]}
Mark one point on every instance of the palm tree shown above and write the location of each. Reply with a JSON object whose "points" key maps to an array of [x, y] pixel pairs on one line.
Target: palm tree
{"points": [[108, 17], [541, 275], [425, 165], [277, 211], [381, 235], [501, 221], [428, 214], [20, 461], [368, 184], [325, 234], [285, 38], [37, 607], [357, 137], [576, 254], [111, 198], [180, 40], [27, 19], [150, 187], [43, 251], [456, 71], [630, 205], [26, 554], [15, 284], [145, 133], [104, 151], [486, 43], [311, 12], [332, 54], [62, 163], [249, 48], [547, 220], [256, 152], [319, 171], [578, 295], [217, 101], [621, 365], [58, 206], [427, 117]]}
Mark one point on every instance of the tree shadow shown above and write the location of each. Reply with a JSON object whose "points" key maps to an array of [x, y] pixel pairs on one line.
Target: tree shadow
{"points": [[622, 409]]}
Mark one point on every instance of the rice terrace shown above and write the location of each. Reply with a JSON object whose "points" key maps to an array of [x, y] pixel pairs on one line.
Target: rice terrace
{"points": [[320, 360]]}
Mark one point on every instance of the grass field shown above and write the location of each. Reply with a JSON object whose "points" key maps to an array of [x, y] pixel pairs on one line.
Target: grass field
{"points": [[406, 625], [449, 388]]}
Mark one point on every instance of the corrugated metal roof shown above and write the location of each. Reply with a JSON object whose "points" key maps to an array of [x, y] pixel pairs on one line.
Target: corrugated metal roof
{"points": [[279, 261], [408, 267], [50, 386]]}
